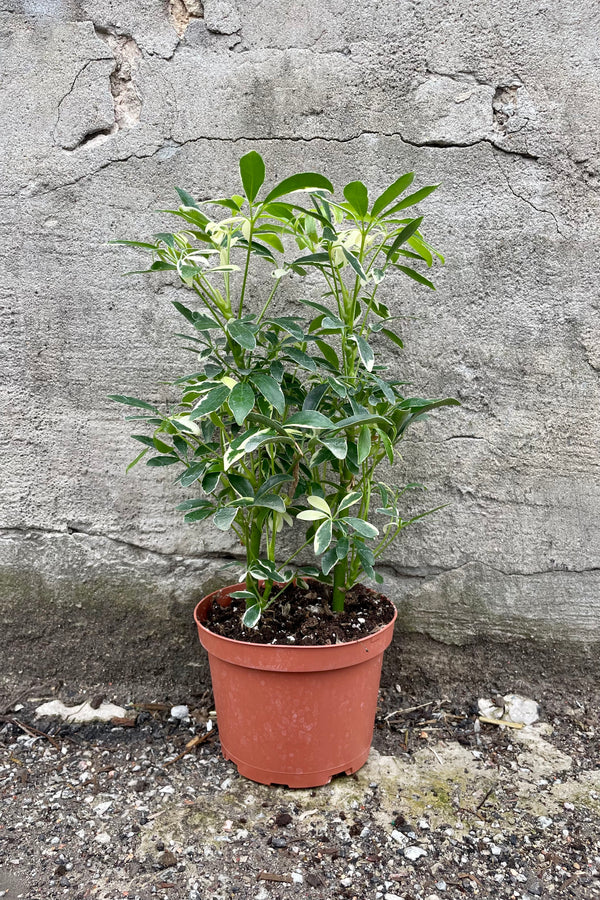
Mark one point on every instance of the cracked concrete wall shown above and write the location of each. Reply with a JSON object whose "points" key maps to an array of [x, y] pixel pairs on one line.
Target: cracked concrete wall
{"points": [[107, 105]]}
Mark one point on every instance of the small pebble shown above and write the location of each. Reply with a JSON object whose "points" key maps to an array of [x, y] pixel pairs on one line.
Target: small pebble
{"points": [[414, 853], [180, 712]]}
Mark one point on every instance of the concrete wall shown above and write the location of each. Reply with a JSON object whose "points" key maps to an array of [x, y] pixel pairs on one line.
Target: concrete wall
{"points": [[107, 105]]}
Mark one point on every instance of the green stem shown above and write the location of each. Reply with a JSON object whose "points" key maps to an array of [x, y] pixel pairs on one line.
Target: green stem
{"points": [[339, 586], [252, 554], [243, 291], [267, 304]]}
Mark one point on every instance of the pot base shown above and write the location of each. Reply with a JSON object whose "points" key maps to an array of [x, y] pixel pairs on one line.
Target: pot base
{"points": [[300, 780]]}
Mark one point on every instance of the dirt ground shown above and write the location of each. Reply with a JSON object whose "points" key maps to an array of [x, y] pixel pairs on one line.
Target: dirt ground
{"points": [[446, 807]]}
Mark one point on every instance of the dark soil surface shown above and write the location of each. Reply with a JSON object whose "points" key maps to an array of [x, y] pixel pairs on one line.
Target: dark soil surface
{"points": [[301, 616]]}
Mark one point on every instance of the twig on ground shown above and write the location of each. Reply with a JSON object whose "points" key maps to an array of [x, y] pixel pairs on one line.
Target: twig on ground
{"points": [[271, 876], [30, 730], [490, 791], [409, 709], [191, 745]]}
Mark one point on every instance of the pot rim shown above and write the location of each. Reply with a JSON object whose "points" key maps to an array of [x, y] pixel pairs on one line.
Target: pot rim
{"points": [[290, 647]]}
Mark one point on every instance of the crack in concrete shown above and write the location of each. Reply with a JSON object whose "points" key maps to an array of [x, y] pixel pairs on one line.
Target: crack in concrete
{"points": [[80, 72], [177, 145], [524, 154], [429, 572], [70, 530], [526, 199], [417, 572]]}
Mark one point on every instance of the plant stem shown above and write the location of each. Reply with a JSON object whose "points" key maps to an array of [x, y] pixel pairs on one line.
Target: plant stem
{"points": [[339, 586], [243, 291], [252, 554]]}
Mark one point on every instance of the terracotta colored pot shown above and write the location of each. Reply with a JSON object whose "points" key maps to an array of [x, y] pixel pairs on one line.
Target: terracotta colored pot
{"points": [[293, 715]]}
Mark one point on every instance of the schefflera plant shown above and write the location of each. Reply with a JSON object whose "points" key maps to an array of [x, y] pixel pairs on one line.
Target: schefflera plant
{"points": [[287, 417]]}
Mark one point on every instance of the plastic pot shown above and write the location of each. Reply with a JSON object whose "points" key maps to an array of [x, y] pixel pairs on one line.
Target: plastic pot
{"points": [[293, 715]]}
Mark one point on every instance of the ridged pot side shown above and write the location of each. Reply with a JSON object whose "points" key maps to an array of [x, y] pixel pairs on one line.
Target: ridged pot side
{"points": [[293, 715]]}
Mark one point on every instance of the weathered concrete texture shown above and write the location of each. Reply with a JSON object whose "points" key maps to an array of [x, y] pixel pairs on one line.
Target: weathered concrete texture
{"points": [[106, 106]]}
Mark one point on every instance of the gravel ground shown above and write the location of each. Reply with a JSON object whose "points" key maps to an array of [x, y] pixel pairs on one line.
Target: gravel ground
{"points": [[445, 808]]}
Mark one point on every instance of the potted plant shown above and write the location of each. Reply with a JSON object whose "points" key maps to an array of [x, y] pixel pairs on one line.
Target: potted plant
{"points": [[281, 431]]}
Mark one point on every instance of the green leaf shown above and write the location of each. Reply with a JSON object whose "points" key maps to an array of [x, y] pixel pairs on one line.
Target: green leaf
{"points": [[193, 503], [323, 536], [272, 482], [211, 402], [364, 443], [349, 500], [289, 324], [162, 461], [309, 418], [328, 560], [135, 461], [241, 334], [270, 390], [404, 235], [166, 237], [141, 244], [199, 515], [314, 305], [252, 170], [224, 517], [365, 529], [193, 473], [393, 337], [329, 354], [301, 358], [342, 547], [416, 276], [355, 263], [161, 446], [243, 595], [204, 323], [336, 444], [241, 401], [357, 196], [187, 199], [143, 439], [319, 503], [185, 312], [305, 181], [131, 401], [361, 419], [393, 191], [271, 501], [387, 445], [240, 484], [210, 481], [272, 239], [323, 455], [313, 259], [365, 555], [264, 568], [364, 351], [412, 199], [251, 616], [311, 515]]}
